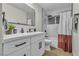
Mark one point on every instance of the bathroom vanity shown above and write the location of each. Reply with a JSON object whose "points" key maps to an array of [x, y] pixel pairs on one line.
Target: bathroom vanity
{"points": [[20, 42], [24, 44]]}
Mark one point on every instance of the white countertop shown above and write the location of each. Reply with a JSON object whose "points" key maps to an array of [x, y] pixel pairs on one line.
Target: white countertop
{"points": [[11, 37]]}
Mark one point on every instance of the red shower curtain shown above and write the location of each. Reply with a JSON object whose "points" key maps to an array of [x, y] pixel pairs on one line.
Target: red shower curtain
{"points": [[64, 36], [65, 42]]}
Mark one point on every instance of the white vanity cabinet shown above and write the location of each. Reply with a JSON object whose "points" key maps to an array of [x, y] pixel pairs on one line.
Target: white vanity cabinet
{"points": [[16, 48], [32, 44], [37, 45]]}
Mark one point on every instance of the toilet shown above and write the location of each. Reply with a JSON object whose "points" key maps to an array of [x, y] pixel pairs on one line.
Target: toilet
{"points": [[47, 44]]}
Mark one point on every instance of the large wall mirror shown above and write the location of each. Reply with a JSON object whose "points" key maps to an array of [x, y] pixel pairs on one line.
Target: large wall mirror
{"points": [[19, 13]]}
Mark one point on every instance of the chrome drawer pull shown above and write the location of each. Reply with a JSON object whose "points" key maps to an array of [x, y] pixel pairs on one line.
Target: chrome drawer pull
{"points": [[20, 44]]}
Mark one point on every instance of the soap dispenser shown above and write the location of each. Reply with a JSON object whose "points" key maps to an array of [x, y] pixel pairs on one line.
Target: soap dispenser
{"points": [[22, 31]]}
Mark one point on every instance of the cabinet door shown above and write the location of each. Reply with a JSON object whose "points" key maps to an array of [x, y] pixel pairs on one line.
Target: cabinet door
{"points": [[20, 52], [41, 47], [37, 49], [28, 50], [34, 49]]}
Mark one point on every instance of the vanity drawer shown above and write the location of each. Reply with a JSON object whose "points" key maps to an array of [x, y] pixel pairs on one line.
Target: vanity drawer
{"points": [[37, 37], [20, 52], [15, 45]]}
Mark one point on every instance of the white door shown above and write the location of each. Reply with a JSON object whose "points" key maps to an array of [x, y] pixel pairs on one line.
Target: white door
{"points": [[75, 40], [75, 44]]}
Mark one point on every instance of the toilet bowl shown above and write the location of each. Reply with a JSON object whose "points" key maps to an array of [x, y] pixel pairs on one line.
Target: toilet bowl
{"points": [[47, 44]]}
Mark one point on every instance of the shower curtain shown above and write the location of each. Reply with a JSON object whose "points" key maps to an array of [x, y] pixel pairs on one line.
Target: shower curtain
{"points": [[65, 28]]}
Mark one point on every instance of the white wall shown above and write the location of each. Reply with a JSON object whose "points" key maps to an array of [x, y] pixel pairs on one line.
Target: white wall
{"points": [[38, 16], [52, 31], [1, 35], [58, 11], [14, 14], [44, 21]]}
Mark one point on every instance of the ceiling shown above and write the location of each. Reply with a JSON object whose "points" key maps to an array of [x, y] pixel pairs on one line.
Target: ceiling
{"points": [[54, 6]]}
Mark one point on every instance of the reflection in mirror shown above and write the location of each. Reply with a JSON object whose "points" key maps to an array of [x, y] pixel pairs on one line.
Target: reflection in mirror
{"points": [[19, 13]]}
